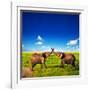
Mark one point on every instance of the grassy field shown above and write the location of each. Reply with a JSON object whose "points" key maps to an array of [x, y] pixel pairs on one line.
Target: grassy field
{"points": [[53, 66]]}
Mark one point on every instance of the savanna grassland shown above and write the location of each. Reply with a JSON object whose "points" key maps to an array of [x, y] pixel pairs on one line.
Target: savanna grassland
{"points": [[53, 66]]}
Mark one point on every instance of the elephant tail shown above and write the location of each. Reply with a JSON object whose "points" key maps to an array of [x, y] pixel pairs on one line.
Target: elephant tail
{"points": [[73, 61]]}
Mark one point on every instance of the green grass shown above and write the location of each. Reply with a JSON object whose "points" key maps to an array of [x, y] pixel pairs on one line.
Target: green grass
{"points": [[53, 66]]}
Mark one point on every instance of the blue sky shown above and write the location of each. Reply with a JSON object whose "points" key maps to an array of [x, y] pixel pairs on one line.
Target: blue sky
{"points": [[42, 31]]}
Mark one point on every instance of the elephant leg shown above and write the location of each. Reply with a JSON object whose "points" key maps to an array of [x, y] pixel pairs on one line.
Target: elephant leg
{"points": [[42, 63], [62, 63], [45, 65], [73, 64], [33, 65]]}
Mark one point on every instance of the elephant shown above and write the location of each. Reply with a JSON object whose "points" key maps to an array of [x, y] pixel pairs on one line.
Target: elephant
{"points": [[66, 58], [38, 58]]}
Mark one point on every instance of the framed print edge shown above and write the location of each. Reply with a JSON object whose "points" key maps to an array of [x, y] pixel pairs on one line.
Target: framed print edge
{"points": [[16, 80]]}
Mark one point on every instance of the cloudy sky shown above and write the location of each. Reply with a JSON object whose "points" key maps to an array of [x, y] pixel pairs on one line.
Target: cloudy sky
{"points": [[42, 31]]}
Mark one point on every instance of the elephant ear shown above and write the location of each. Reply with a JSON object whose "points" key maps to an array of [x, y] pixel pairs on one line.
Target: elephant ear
{"points": [[44, 55], [62, 55]]}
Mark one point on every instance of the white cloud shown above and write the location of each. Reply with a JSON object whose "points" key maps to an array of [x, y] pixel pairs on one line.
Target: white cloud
{"points": [[73, 48], [22, 46], [39, 38], [73, 42], [39, 43], [73, 45]]}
